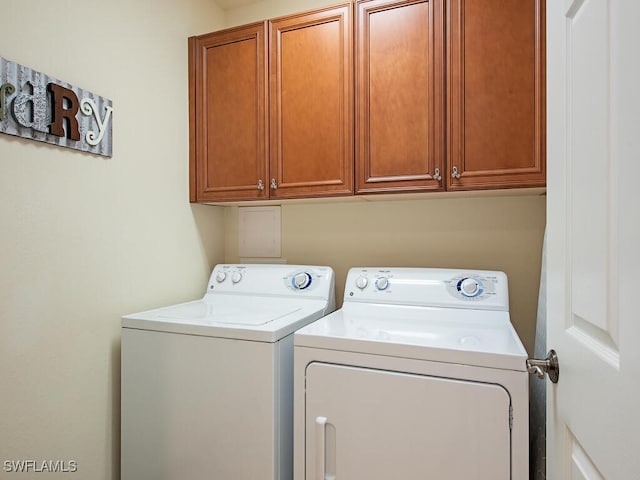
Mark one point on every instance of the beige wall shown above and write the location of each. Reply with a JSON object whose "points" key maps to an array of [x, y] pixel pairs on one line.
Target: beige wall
{"points": [[85, 239], [496, 233], [266, 9]]}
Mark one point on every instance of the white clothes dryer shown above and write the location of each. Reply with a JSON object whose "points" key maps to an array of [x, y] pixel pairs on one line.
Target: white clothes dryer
{"points": [[419, 375], [207, 386]]}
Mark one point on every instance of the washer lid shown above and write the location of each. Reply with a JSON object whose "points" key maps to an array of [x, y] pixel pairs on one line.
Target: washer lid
{"points": [[231, 316], [468, 337], [250, 311]]}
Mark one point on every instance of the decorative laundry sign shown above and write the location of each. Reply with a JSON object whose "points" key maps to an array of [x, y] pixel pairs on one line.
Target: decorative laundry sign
{"points": [[38, 107]]}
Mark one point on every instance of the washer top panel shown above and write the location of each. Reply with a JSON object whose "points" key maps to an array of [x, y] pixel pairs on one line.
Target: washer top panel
{"points": [[247, 302], [256, 318]]}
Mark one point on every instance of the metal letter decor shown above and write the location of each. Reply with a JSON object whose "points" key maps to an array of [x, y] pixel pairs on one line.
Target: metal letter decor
{"points": [[38, 107]]}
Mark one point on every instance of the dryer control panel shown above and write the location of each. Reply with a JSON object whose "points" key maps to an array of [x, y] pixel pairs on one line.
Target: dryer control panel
{"points": [[477, 289], [472, 286]]}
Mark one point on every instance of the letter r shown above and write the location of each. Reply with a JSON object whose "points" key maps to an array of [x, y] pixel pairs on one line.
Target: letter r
{"points": [[60, 113]]}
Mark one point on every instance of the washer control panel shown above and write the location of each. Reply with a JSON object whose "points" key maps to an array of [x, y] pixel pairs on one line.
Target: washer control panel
{"points": [[226, 275], [279, 279], [221, 276], [476, 289], [301, 280]]}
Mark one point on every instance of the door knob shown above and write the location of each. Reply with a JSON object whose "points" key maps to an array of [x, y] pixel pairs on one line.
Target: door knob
{"points": [[549, 366]]}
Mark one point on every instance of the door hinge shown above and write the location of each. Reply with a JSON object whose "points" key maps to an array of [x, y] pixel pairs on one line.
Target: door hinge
{"points": [[510, 417]]}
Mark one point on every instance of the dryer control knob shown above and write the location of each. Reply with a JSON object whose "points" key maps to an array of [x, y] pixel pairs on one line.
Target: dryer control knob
{"points": [[382, 283], [236, 277], [301, 281], [469, 287], [221, 277], [362, 282]]}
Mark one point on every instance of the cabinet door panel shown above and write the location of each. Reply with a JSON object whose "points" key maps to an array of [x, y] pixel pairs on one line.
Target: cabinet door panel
{"points": [[230, 115], [399, 95], [496, 94], [311, 104]]}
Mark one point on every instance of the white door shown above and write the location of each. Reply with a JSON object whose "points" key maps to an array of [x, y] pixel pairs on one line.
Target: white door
{"points": [[364, 424], [593, 65]]}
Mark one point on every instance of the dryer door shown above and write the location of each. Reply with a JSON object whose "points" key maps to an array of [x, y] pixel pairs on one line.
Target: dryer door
{"points": [[376, 425]]}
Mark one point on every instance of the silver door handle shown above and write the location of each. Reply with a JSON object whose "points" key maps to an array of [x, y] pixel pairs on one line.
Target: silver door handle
{"points": [[260, 185], [436, 175], [549, 365], [455, 173], [273, 185]]}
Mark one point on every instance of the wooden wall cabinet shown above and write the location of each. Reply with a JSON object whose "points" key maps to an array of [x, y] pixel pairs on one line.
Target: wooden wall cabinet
{"points": [[311, 103], [400, 96], [299, 142], [496, 94], [449, 95], [227, 115]]}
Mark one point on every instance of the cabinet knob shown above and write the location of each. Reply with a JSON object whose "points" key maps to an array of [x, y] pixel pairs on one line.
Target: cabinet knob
{"points": [[260, 185], [436, 175], [454, 172], [274, 185]]}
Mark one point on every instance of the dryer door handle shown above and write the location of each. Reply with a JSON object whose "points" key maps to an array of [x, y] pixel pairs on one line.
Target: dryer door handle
{"points": [[325, 449], [321, 424]]}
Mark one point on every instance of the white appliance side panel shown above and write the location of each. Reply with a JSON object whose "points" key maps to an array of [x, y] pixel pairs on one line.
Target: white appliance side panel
{"points": [[382, 425], [196, 407], [284, 408]]}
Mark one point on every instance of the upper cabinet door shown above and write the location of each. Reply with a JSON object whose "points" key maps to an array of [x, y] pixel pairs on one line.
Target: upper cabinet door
{"points": [[228, 156], [311, 104], [400, 96], [496, 94]]}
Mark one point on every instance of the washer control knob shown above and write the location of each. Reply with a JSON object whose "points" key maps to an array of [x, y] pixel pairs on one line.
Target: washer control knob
{"points": [[221, 277], [382, 283], [301, 281], [362, 282], [469, 287], [236, 277]]}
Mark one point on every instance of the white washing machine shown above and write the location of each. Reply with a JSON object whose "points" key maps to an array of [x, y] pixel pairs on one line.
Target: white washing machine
{"points": [[207, 386], [419, 375]]}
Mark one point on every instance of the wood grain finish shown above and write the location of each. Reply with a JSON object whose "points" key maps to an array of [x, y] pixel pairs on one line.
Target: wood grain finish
{"points": [[399, 94], [496, 94], [228, 114], [311, 103], [479, 109], [193, 171]]}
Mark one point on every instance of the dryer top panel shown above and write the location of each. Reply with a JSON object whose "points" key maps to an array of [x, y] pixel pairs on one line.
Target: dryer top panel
{"points": [[468, 337], [452, 316]]}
